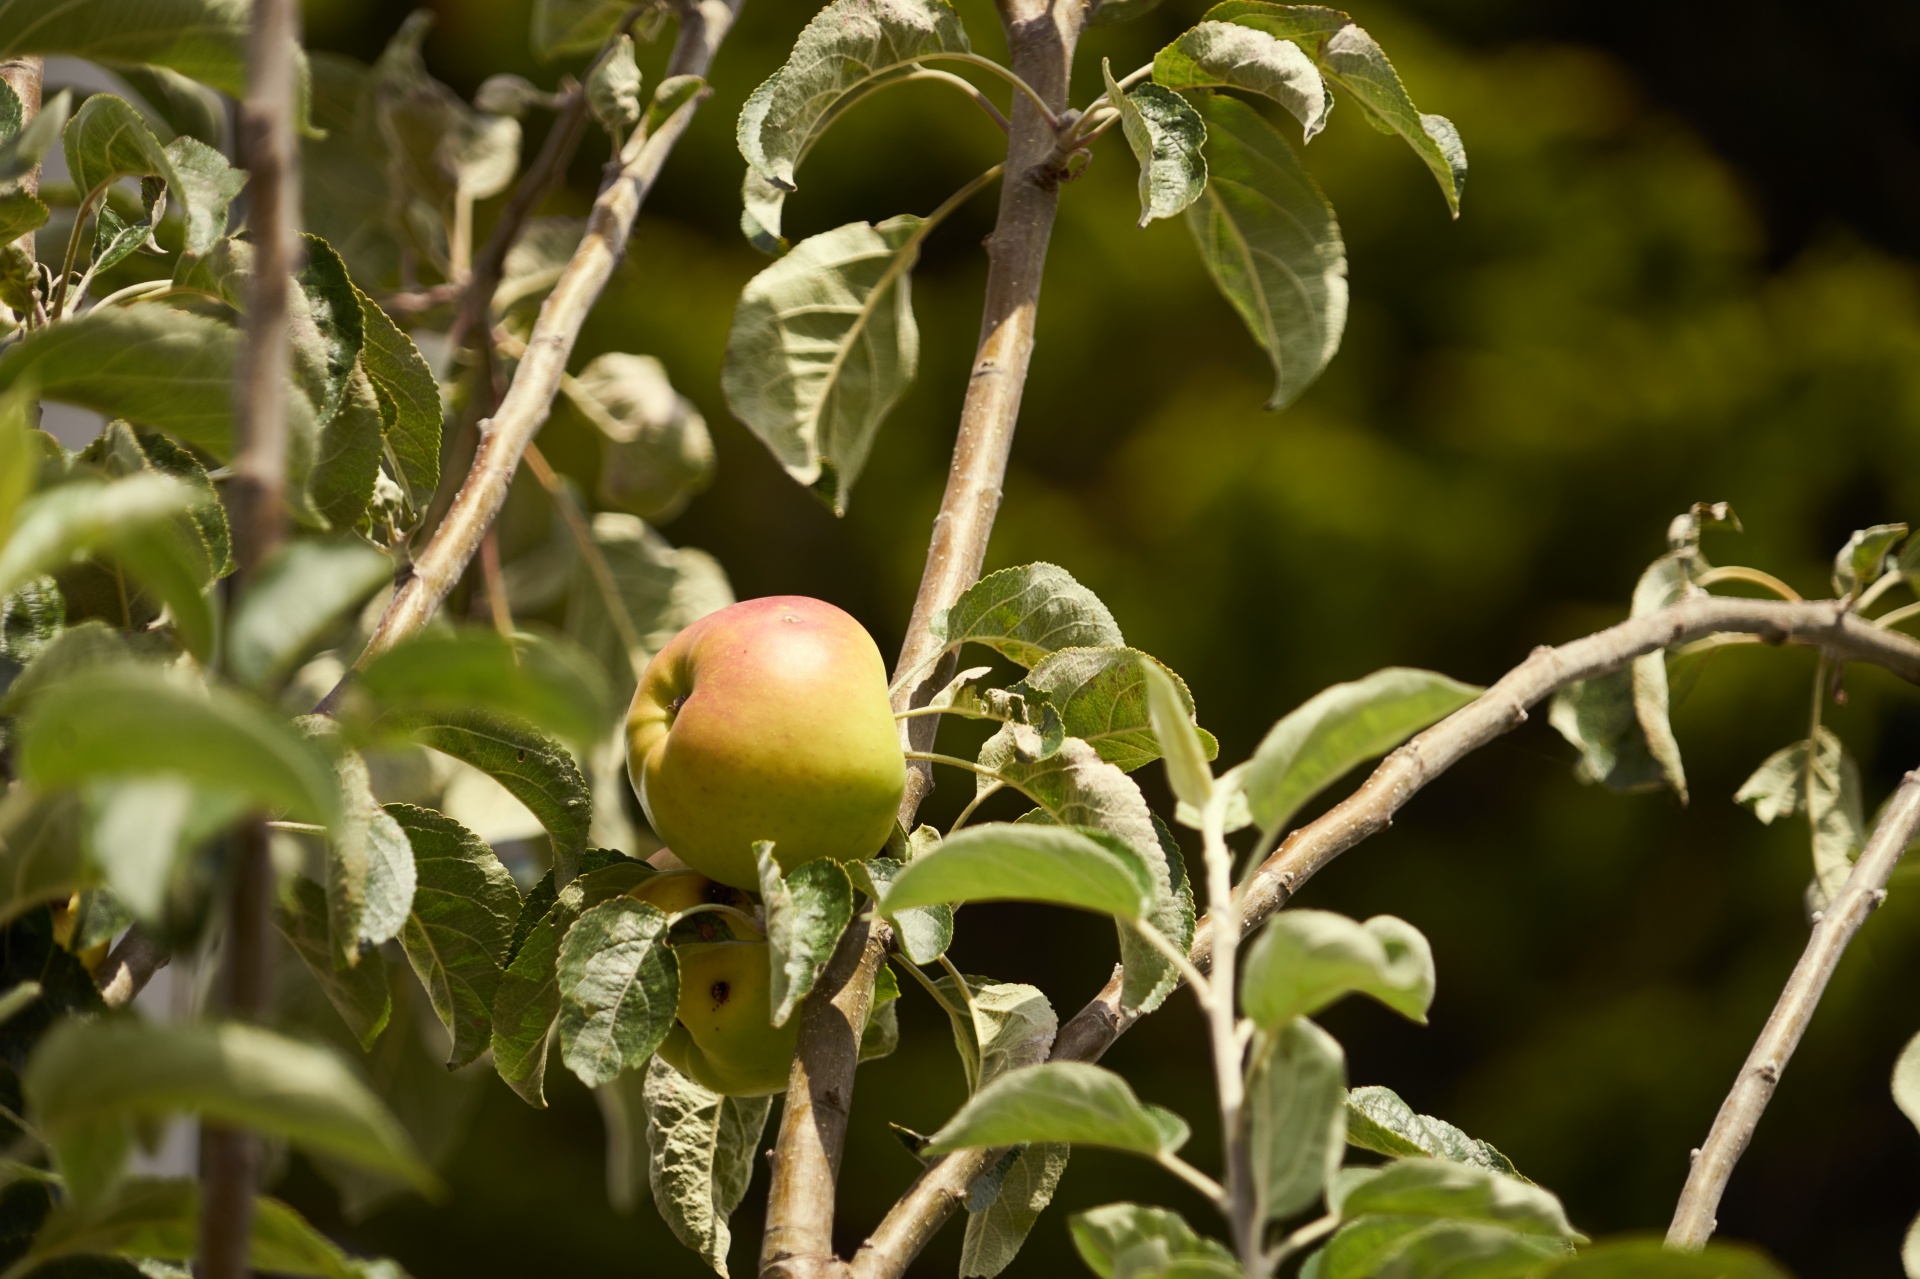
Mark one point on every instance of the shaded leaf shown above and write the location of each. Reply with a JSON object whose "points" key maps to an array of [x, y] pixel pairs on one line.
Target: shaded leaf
{"points": [[205, 185], [702, 1149], [22, 151], [40, 851], [623, 1112], [204, 40], [1165, 135], [1303, 960], [1826, 787], [1457, 1192], [291, 602], [409, 401], [139, 829], [1338, 728], [107, 140], [72, 521], [1225, 55], [1860, 562], [1062, 1101], [1271, 242], [807, 910], [1652, 1259], [477, 671], [618, 986], [1026, 613], [1124, 1239], [662, 588], [1296, 1116], [924, 932], [534, 768], [574, 26], [995, 1232], [1000, 1026], [657, 453], [823, 345], [359, 994]]}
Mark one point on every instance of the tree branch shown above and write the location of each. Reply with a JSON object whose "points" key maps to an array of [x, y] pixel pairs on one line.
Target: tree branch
{"points": [[256, 497], [1040, 36], [130, 966], [1739, 1115], [504, 438], [1823, 624]]}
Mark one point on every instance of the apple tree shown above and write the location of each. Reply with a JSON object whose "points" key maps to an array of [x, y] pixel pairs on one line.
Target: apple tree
{"points": [[238, 719]]}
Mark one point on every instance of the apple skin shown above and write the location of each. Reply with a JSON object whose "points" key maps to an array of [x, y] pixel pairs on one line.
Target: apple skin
{"points": [[767, 720], [724, 1039]]}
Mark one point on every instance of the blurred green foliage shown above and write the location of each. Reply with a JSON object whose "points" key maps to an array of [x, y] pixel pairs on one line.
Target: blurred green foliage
{"points": [[1524, 398]]}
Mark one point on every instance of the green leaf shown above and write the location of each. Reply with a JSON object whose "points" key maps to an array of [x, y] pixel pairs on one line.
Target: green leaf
{"points": [[1378, 1120], [1064, 1101], [443, 153], [409, 400], [1180, 742], [21, 212], [1025, 1188], [1165, 135], [1296, 1116], [161, 1220], [703, 1150], [851, 46], [807, 910], [657, 453], [139, 829], [169, 563], [138, 720], [370, 872], [1304, 960], [1652, 1259], [618, 987], [204, 40], [163, 368], [289, 605], [997, 1026], [534, 768], [73, 521], [1351, 60], [1338, 728], [114, 240], [823, 345], [1125, 1239], [107, 140], [209, 517], [31, 619], [574, 26], [1827, 788], [18, 998], [1860, 562], [23, 150], [40, 851], [1017, 861], [186, 107], [456, 933], [1271, 242], [1417, 1248], [1224, 55], [1457, 1192], [1025, 613], [205, 185], [89, 1079], [359, 994], [663, 588], [1100, 695], [924, 932], [613, 89], [475, 670]]}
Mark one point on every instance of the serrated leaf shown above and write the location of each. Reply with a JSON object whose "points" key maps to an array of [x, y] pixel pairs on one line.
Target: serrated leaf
{"points": [[574, 26], [618, 985], [546, 685], [924, 932], [209, 517], [1062, 1101], [290, 603], [1826, 787], [1016, 861], [1000, 1026], [1125, 1239], [1225, 55], [995, 1232], [21, 212], [823, 345], [22, 151], [703, 1149], [1338, 728], [657, 453], [1296, 1117], [91, 1079], [359, 994], [1180, 744], [205, 185], [535, 769], [1027, 612], [1303, 960], [456, 933], [807, 910], [1378, 1120], [1165, 135], [1271, 242], [160, 1220], [107, 140], [1100, 695], [613, 89], [1351, 60], [134, 720], [409, 400], [848, 48]]}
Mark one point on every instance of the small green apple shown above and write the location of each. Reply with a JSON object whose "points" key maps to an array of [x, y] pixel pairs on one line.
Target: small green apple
{"points": [[724, 1038], [767, 720]]}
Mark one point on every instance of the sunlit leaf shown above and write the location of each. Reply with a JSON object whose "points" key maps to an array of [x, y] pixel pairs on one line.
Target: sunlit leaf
{"points": [[537, 770], [1827, 788], [1180, 743], [1271, 243], [574, 26], [1378, 1120], [703, 1150], [138, 829], [547, 685], [657, 453], [75, 520], [1652, 1259], [107, 140], [205, 185], [1296, 1116], [1859, 563], [291, 602], [20, 152], [823, 346], [1100, 695], [618, 985], [1022, 1189], [1225, 55], [1017, 861], [1027, 612], [1065, 1101], [1165, 135], [924, 932], [1303, 960], [1124, 1239], [613, 89], [807, 910]]}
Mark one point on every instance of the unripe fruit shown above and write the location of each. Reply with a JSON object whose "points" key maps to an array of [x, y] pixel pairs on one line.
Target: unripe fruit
{"points": [[724, 1039], [767, 720]]}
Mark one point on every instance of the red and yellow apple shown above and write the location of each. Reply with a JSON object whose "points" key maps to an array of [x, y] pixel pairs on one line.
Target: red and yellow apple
{"points": [[767, 720]]}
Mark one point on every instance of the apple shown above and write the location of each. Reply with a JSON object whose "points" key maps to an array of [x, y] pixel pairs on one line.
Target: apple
{"points": [[724, 1039], [678, 887], [767, 720]]}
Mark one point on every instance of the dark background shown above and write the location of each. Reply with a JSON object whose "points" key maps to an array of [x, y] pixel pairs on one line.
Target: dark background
{"points": [[1683, 271]]}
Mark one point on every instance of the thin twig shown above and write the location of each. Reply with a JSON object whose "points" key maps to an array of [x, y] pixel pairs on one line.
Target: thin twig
{"points": [[256, 500], [1041, 36], [965, 86], [1864, 890], [494, 583], [1752, 576], [1823, 624], [503, 440], [1194, 1177], [1217, 1001], [130, 965]]}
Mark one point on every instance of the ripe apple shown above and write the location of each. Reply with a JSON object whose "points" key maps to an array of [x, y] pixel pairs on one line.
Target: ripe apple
{"points": [[678, 887], [767, 720], [724, 1039]]}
